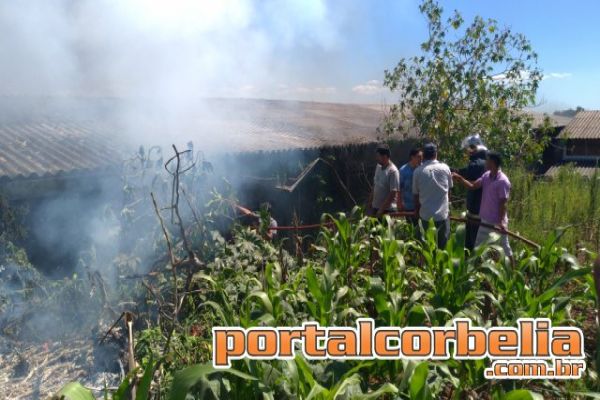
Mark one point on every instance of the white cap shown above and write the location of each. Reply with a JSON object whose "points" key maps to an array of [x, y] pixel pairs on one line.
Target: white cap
{"points": [[472, 140]]}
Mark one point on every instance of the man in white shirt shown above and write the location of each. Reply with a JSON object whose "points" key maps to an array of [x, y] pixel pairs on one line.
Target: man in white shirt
{"points": [[432, 182], [386, 184]]}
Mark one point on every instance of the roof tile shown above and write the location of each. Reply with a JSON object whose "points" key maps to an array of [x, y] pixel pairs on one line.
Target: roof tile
{"points": [[42, 139], [585, 125]]}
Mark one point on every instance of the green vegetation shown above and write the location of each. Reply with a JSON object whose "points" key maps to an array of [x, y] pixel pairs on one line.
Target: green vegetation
{"points": [[469, 78], [353, 267], [360, 267], [356, 266], [570, 200]]}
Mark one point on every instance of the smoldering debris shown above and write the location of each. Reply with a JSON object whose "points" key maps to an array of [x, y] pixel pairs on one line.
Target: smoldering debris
{"points": [[54, 330], [35, 370], [35, 308], [48, 333], [147, 68]]}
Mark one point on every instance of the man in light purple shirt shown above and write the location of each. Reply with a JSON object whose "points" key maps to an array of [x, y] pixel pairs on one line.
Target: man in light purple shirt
{"points": [[496, 191]]}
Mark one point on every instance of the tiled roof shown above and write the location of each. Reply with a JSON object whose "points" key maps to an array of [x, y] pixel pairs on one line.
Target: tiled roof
{"points": [[555, 120], [47, 137], [249, 125], [54, 139], [585, 125], [36, 149]]}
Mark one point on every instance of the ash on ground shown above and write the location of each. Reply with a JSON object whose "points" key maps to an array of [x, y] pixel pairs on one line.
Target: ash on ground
{"points": [[51, 333], [39, 370]]}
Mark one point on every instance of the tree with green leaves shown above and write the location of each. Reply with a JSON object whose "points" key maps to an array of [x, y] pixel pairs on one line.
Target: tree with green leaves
{"points": [[470, 78]]}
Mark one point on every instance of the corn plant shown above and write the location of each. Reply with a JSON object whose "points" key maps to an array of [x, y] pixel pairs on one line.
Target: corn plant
{"points": [[363, 267]]}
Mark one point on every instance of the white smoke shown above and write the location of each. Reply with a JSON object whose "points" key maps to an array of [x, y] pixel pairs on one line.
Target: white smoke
{"points": [[162, 48], [163, 56]]}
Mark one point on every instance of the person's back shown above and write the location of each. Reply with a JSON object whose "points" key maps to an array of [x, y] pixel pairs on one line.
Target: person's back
{"points": [[431, 182], [406, 179], [472, 172]]}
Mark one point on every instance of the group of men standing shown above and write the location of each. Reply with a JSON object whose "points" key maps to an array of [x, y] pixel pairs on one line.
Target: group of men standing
{"points": [[422, 186]]}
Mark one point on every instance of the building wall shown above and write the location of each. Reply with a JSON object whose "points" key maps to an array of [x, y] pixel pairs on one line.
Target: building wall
{"points": [[583, 148], [320, 191], [67, 215]]}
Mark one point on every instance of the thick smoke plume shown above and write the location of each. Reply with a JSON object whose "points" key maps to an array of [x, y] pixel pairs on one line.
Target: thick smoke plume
{"points": [[144, 69], [163, 56]]}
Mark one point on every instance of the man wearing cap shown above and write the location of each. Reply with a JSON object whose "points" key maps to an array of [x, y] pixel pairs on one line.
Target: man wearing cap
{"points": [[432, 182], [473, 171], [386, 183]]}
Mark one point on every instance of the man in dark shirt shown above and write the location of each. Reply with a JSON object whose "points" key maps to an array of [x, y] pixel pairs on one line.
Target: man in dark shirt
{"points": [[474, 170], [406, 199]]}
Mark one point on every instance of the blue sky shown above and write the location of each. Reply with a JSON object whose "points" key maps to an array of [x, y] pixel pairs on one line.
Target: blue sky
{"points": [[566, 36], [375, 34]]}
